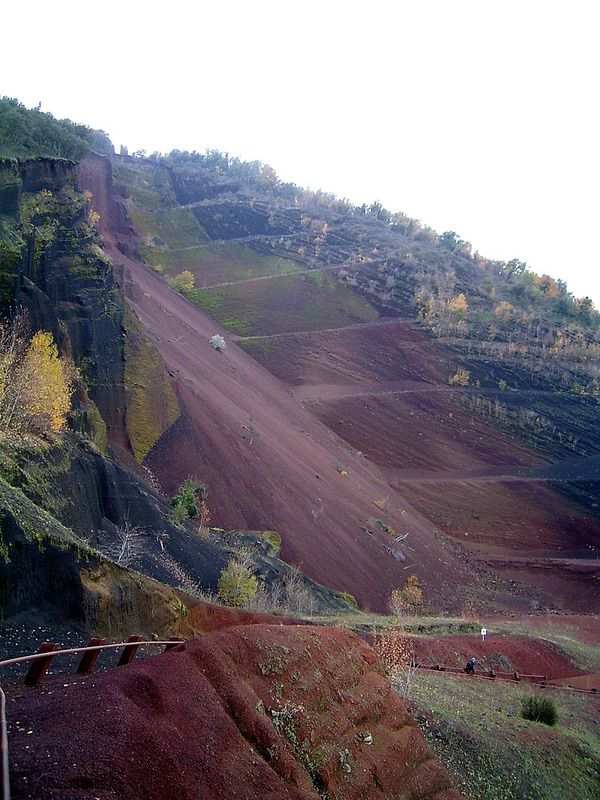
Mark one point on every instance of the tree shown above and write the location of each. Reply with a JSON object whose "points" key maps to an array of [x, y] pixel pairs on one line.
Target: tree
{"points": [[504, 311], [188, 499], [184, 282], [458, 305], [128, 545], [396, 653], [238, 585], [49, 384], [461, 377], [407, 599], [35, 383]]}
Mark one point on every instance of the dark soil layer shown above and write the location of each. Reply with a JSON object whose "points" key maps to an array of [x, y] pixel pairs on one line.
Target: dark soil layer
{"points": [[385, 350], [267, 712]]}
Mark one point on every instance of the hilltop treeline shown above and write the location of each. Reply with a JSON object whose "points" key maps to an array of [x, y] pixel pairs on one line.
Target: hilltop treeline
{"points": [[458, 293], [400, 261], [30, 133]]}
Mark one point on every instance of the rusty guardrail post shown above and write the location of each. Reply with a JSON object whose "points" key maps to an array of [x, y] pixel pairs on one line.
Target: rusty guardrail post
{"points": [[4, 776], [89, 658], [129, 651], [39, 668]]}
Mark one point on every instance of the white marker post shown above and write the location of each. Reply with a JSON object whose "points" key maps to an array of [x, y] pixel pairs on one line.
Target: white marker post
{"points": [[483, 634]]}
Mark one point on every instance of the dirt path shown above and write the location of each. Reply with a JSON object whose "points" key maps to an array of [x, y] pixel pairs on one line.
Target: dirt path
{"points": [[258, 278], [576, 469], [336, 391], [312, 332]]}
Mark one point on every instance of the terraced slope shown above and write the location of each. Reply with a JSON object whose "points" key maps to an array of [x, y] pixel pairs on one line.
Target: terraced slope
{"points": [[370, 463]]}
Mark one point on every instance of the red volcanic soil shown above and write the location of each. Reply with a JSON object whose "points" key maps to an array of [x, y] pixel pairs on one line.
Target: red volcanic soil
{"points": [[420, 428], [501, 652], [504, 517], [263, 712], [372, 401], [287, 479], [388, 349]]}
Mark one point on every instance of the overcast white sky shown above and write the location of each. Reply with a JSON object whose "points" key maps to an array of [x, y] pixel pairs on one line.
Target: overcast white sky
{"points": [[475, 116]]}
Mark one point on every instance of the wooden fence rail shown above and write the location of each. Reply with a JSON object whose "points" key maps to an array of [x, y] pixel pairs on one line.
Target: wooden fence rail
{"points": [[40, 663]]}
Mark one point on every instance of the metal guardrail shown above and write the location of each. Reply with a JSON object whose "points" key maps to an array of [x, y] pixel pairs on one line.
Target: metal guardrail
{"points": [[4, 748], [40, 662]]}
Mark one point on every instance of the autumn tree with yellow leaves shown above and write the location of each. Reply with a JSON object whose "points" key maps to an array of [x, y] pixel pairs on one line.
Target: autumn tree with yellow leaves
{"points": [[409, 599], [36, 384]]}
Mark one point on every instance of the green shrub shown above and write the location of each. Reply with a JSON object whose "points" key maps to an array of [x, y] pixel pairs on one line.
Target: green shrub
{"points": [[346, 597], [238, 584], [185, 503], [539, 709]]}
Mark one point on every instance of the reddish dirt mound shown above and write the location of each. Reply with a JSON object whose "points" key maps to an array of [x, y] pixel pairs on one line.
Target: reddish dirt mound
{"points": [[499, 652], [267, 712]]}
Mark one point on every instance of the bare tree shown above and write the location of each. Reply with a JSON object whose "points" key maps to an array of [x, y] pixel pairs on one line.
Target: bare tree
{"points": [[128, 547]]}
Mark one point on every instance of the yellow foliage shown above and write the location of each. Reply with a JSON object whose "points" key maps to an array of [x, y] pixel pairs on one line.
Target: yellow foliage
{"points": [[504, 311], [461, 377], [409, 598], [458, 305], [237, 583], [48, 384], [184, 282]]}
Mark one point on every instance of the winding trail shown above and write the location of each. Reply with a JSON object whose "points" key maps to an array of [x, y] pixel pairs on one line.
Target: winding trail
{"points": [[576, 469]]}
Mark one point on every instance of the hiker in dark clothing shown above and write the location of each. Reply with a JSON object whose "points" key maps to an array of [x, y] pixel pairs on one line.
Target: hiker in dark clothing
{"points": [[470, 667]]}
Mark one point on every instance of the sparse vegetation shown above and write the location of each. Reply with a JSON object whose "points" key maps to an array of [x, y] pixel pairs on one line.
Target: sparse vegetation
{"points": [[128, 547], [477, 731], [461, 377], [407, 600], [183, 282], [218, 342], [396, 653]]}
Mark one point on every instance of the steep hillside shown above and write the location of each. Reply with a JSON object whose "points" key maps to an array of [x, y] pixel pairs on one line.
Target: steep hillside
{"points": [[73, 498], [272, 712], [287, 476], [401, 343]]}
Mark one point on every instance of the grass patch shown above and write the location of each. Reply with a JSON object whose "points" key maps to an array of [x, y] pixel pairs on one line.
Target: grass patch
{"points": [[173, 228], [477, 731], [217, 262], [152, 406], [287, 303], [256, 347]]}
